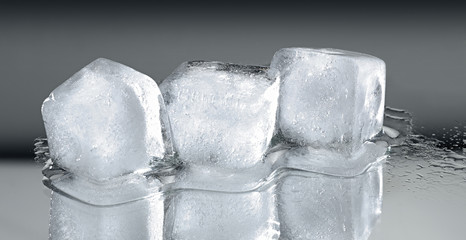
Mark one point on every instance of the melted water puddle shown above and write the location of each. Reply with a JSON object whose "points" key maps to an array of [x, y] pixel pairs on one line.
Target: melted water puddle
{"points": [[419, 161], [424, 184]]}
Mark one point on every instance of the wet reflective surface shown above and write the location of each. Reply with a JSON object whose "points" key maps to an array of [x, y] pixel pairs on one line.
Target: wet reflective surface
{"points": [[424, 185], [424, 189]]}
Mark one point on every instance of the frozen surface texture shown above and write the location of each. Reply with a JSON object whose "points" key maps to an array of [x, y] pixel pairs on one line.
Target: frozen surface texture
{"points": [[105, 121], [329, 97], [221, 114]]}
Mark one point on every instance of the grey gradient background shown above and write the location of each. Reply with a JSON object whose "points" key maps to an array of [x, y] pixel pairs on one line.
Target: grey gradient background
{"points": [[41, 45], [424, 48]]}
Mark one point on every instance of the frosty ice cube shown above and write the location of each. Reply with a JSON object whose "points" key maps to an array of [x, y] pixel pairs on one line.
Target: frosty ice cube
{"points": [[221, 114], [329, 97], [105, 121]]}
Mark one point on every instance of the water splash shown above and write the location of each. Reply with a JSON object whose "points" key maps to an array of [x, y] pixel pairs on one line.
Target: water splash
{"points": [[418, 162]]}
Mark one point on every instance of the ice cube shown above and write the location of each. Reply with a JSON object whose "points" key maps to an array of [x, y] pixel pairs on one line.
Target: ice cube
{"points": [[326, 200], [329, 97], [105, 121], [221, 114]]}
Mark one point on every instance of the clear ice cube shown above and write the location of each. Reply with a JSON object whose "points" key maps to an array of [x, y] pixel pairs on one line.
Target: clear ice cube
{"points": [[221, 114], [105, 121], [328, 97]]}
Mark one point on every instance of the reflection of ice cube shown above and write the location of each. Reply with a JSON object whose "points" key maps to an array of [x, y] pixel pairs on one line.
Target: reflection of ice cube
{"points": [[220, 215], [127, 207], [105, 121], [329, 97], [219, 203], [323, 203], [71, 219], [221, 114]]}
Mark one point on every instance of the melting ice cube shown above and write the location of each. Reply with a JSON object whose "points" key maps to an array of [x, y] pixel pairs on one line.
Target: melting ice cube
{"points": [[105, 121], [221, 114], [329, 97]]}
